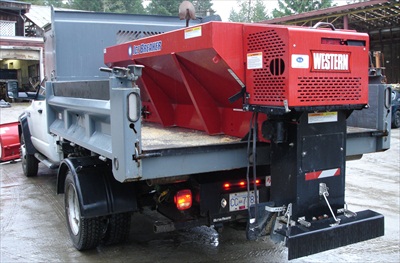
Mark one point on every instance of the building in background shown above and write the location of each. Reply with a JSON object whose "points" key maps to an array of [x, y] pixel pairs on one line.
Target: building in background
{"points": [[21, 43]]}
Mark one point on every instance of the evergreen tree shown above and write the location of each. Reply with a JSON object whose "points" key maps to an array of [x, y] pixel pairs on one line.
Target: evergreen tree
{"points": [[164, 7], [290, 7], [134, 6], [259, 12], [55, 3], [113, 6], [126, 6], [35, 2], [250, 11], [92, 5], [203, 7]]}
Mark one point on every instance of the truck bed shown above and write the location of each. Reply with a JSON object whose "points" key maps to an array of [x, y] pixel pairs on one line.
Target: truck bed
{"points": [[156, 137], [77, 114]]}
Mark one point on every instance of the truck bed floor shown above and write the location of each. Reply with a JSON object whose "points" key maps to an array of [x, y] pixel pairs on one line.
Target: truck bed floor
{"points": [[155, 137]]}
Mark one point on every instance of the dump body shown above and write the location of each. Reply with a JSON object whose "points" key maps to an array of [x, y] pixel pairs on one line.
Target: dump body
{"points": [[75, 42]]}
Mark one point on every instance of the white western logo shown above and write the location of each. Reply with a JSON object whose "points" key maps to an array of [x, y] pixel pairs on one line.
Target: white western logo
{"points": [[331, 61]]}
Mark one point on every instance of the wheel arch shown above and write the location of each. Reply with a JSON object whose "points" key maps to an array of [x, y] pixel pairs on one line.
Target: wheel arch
{"points": [[23, 129], [98, 192]]}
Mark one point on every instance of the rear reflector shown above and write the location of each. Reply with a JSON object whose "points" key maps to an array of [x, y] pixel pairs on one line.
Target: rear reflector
{"points": [[183, 199]]}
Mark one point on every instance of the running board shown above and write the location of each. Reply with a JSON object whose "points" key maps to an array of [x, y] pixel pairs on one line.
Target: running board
{"points": [[46, 162], [321, 236]]}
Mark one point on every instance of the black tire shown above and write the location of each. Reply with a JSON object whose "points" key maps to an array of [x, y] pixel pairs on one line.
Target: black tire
{"points": [[118, 229], [396, 119], [85, 233], [29, 163]]}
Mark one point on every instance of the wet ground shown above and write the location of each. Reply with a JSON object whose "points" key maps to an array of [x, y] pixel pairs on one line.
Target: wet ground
{"points": [[33, 226]]}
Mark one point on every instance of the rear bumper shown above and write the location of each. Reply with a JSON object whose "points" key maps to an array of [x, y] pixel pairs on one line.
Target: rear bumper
{"points": [[320, 236]]}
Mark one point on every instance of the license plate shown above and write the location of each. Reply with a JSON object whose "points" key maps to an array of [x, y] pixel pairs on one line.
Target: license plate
{"points": [[238, 201]]}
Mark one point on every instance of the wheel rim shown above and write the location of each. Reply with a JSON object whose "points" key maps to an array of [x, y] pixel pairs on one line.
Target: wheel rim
{"points": [[74, 214]]}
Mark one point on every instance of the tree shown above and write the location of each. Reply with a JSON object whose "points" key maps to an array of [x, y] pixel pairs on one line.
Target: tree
{"points": [[34, 2], [114, 6], [259, 13], [164, 7], [203, 7], [250, 11], [136, 6], [92, 5], [290, 7], [55, 3], [127, 6]]}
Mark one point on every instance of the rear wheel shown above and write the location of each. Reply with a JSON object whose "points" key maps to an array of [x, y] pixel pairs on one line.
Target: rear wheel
{"points": [[118, 229], [29, 162], [396, 120], [85, 233]]}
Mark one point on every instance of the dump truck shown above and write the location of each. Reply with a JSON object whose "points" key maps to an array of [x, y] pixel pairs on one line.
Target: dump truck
{"points": [[207, 125]]}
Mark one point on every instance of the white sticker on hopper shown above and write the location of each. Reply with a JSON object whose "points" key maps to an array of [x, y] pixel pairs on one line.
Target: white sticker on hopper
{"points": [[254, 60], [193, 32], [300, 61], [322, 117]]}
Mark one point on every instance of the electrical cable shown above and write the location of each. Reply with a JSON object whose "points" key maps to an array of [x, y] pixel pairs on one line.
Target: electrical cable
{"points": [[255, 130], [252, 136], [248, 162]]}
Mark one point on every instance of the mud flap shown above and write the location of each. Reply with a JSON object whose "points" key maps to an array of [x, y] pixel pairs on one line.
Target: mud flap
{"points": [[257, 222], [321, 236]]}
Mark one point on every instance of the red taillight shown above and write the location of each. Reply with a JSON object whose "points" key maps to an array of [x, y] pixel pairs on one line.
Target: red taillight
{"points": [[240, 184], [183, 199]]}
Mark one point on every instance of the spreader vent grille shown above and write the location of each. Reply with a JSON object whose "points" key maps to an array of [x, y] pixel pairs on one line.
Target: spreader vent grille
{"points": [[126, 35], [330, 90], [268, 82]]}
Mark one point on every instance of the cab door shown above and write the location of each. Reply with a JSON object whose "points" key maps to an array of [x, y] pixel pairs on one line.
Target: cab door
{"points": [[44, 142]]}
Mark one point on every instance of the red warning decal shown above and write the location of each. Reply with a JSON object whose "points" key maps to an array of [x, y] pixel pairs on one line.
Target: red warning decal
{"points": [[322, 174]]}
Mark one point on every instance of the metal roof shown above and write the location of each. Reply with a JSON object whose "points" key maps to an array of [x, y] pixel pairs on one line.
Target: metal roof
{"points": [[14, 5], [39, 15], [363, 16]]}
